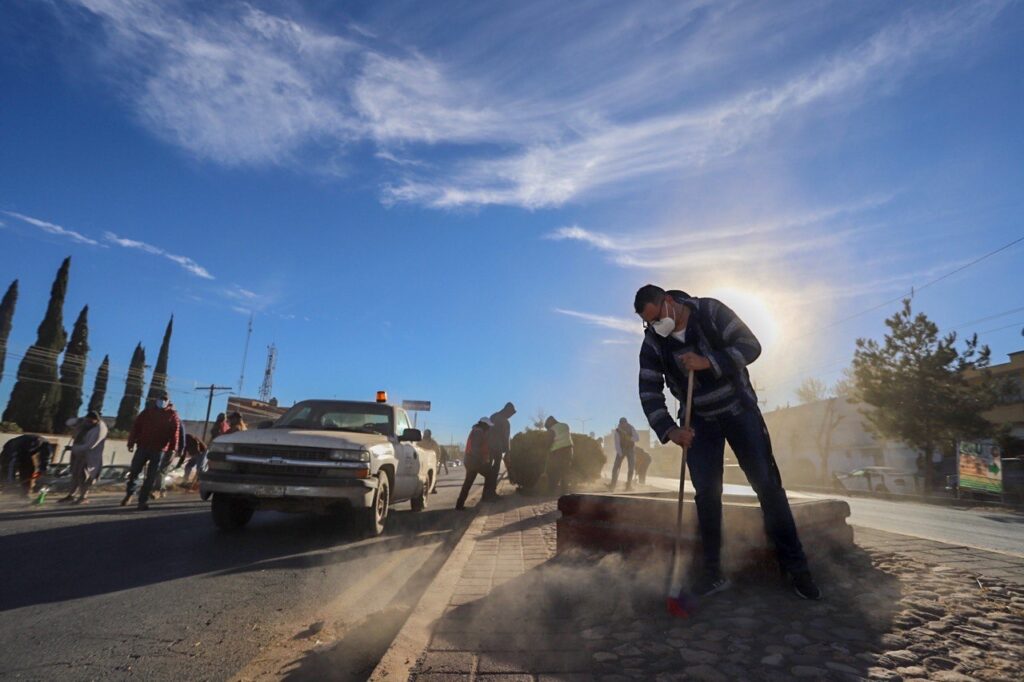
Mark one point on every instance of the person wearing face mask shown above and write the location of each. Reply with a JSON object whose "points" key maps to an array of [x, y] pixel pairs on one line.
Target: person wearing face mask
{"points": [[684, 333], [155, 432]]}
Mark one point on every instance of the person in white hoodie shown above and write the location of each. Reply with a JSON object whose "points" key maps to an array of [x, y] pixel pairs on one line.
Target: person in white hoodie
{"points": [[86, 456]]}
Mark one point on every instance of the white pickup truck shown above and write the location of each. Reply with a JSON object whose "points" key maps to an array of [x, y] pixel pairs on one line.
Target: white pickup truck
{"points": [[321, 456]]}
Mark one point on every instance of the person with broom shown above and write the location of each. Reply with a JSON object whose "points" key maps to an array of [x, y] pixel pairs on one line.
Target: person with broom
{"points": [[702, 338]]}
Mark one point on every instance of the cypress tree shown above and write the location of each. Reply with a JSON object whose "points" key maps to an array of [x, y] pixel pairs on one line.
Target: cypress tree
{"points": [[129, 407], [99, 389], [6, 317], [72, 372], [35, 395], [159, 381]]}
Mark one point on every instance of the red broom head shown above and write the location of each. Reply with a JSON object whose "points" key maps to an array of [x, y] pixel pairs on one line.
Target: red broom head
{"points": [[677, 608]]}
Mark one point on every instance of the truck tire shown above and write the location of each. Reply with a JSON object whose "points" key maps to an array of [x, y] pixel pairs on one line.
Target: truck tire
{"points": [[230, 512], [376, 516], [419, 503]]}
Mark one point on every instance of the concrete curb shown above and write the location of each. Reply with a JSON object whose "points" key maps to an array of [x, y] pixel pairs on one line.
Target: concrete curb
{"points": [[414, 637]]}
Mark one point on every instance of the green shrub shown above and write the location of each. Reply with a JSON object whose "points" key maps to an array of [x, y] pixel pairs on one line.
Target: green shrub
{"points": [[9, 427], [587, 458], [115, 434], [528, 458]]}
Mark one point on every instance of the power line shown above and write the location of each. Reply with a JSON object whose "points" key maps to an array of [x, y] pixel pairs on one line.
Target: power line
{"points": [[913, 290]]}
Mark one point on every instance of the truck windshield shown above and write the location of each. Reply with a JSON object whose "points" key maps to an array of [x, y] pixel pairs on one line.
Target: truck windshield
{"points": [[337, 416]]}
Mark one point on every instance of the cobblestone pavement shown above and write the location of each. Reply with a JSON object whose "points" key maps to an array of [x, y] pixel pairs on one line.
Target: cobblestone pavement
{"points": [[520, 613], [975, 561]]}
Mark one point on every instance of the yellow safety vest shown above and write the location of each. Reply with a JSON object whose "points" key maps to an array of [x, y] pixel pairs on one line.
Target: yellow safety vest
{"points": [[562, 437]]}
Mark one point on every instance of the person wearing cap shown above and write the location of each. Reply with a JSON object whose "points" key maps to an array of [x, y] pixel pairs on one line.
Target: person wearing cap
{"points": [[28, 455], [499, 436], [560, 456], [155, 432], [478, 458], [684, 334], [86, 456], [625, 439]]}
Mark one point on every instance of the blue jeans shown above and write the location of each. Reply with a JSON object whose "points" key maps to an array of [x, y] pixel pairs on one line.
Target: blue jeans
{"points": [[630, 458], [748, 437], [150, 459]]}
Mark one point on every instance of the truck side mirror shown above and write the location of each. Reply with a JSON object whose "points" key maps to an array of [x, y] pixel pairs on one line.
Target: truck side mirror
{"points": [[412, 435]]}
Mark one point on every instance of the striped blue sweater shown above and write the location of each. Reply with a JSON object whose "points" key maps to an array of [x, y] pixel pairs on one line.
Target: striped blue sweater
{"points": [[715, 332]]}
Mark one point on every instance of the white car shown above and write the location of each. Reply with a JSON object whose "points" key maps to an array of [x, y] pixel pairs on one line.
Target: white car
{"points": [[878, 480], [321, 456]]}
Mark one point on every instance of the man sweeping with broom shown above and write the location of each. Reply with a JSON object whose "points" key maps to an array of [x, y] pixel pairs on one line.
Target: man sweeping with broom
{"points": [[702, 338]]}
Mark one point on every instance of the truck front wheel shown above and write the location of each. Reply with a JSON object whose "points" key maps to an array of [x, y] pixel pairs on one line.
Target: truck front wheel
{"points": [[419, 503], [377, 515], [230, 512]]}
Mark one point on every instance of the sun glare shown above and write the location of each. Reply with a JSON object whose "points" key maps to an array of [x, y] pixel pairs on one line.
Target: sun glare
{"points": [[753, 310]]}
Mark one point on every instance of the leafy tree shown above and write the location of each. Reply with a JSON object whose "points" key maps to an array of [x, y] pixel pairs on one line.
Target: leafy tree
{"points": [[811, 390], [159, 380], [129, 407], [72, 372], [10, 300], [35, 395], [915, 382], [99, 389]]}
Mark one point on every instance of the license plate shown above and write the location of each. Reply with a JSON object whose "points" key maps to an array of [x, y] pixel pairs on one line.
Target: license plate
{"points": [[270, 491]]}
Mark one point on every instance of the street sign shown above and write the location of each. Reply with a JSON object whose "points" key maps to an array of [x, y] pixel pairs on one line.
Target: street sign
{"points": [[416, 405], [980, 465]]}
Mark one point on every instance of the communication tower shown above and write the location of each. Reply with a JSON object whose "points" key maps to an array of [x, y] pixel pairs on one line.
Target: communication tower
{"points": [[267, 387]]}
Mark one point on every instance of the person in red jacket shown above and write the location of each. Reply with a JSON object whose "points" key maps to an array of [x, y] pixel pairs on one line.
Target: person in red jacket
{"points": [[478, 458], [155, 432]]}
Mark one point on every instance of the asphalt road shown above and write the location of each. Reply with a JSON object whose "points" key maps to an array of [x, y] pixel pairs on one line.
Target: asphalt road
{"points": [[104, 592], [982, 527]]}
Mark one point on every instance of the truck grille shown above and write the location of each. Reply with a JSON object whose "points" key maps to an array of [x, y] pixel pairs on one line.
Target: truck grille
{"points": [[288, 452], [275, 470]]}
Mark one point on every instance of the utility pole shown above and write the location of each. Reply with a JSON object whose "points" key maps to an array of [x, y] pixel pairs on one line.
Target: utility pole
{"points": [[209, 402], [583, 423]]}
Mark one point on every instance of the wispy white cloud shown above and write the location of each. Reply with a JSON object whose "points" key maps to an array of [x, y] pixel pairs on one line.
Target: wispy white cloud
{"points": [[54, 229], [530, 106], [620, 324], [694, 139], [247, 301], [184, 262]]}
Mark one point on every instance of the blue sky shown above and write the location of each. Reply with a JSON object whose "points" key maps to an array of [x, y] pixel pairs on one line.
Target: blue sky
{"points": [[457, 201]]}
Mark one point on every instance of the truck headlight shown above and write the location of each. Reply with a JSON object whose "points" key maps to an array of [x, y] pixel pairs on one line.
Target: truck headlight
{"points": [[349, 455], [222, 447]]}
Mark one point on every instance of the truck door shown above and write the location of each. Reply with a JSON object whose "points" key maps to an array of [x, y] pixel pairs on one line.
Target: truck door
{"points": [[407, 475]]}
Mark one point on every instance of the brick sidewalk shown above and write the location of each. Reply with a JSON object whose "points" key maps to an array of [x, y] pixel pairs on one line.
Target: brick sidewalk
{"points": [[893, 611]]}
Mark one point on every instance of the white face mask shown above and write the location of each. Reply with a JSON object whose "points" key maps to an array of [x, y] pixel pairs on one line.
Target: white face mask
{"points": [[664, 326], [161, 404]]}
